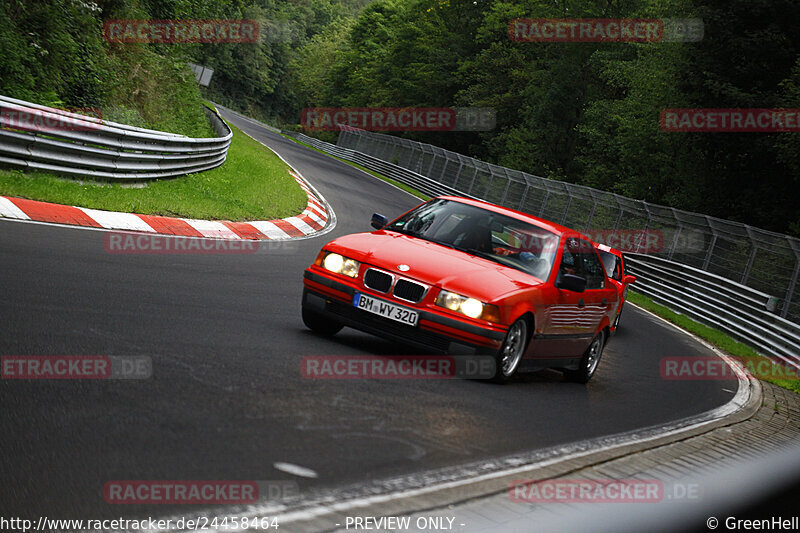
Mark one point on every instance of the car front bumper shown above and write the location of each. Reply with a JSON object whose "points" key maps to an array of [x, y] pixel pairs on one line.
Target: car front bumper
{"points": [[435, 332]]}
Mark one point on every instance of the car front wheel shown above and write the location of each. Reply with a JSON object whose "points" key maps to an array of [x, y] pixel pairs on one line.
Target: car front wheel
{"points": [[589, 361], [510, 354]]}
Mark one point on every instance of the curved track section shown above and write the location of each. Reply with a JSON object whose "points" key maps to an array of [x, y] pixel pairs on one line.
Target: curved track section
{"points": [[227, 399]]}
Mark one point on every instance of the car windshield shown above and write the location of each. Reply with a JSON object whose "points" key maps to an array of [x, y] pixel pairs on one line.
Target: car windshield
{"points": [[500, 238]]}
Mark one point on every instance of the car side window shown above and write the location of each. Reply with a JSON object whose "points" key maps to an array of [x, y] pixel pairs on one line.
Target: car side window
{"points": [[580, 259], [592, 267], [612, 264], [569, 260]]}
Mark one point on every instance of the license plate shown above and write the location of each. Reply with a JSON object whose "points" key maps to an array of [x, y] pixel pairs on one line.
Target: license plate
{"points": [[386, 309]]}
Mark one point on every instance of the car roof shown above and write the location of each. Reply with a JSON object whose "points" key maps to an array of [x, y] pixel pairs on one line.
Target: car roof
{"points": [[542, 223]]}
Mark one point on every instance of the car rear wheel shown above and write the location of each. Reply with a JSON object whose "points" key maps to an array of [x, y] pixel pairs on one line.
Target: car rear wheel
{"points": [[589, 361], [508, 358], [320, 324]]}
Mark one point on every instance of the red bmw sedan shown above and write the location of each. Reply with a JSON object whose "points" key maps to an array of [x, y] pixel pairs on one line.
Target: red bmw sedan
{"points": [[461, 276]]}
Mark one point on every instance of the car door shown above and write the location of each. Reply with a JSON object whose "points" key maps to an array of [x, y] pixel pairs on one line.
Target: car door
{"points": [[601, 294], [573, 318]]}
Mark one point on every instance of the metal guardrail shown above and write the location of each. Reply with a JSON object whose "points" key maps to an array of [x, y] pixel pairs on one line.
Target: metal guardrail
{"points": [[764, 260], [736, 309], [741, 311], [37, 137]]}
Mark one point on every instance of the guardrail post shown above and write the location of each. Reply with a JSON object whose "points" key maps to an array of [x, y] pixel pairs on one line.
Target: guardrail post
{"points": [[643, 236], [619, 215], [674, 243], [677, 234], [417, 166], [524, 195], [430, 168], [566, 210], [591, 214], [508, 185], [444, 168], [472, 182], [749, 266], [793, 283], [544, 203], [707, 260]]}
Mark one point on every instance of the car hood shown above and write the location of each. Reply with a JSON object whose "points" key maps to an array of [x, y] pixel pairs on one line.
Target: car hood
{"points": [[433, 264]]}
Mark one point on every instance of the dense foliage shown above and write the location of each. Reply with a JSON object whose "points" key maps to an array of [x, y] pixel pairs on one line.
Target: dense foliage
{"points": [[582, 112], [588, 112]]}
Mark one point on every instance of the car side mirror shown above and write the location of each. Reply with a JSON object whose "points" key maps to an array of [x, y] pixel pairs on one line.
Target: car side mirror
{"points": [[571, 282], [379, 221], [627, 280]]}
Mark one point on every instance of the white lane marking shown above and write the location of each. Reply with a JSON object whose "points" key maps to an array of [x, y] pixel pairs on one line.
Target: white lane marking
{"points": [[299, 224], [117, 220], [269, 229], [9, 210], [211, 228], [295, 470]]}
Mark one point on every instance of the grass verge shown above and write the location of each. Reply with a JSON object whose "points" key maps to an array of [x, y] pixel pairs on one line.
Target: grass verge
{"points": [[253, 184], [709, 334]]}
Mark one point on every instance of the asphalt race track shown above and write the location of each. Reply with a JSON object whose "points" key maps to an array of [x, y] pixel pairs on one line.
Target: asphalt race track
{"points": [[227, 399]]}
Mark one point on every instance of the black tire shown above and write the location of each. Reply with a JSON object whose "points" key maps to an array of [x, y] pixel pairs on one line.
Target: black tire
{"points": [[510, 354], [589, 361], [320, 324]]}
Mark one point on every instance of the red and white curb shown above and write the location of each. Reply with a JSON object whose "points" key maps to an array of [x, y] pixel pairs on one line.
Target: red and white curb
{"points": [[313, 219]]}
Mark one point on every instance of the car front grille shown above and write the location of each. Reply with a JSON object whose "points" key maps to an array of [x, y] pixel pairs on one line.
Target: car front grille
{"points": [[377, 280], [409, 290]]}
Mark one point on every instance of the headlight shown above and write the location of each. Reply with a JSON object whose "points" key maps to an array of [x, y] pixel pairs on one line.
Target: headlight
{"points": [[455, 302], [341, 265]]}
